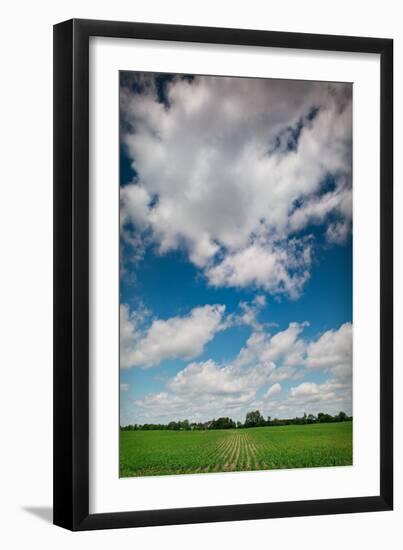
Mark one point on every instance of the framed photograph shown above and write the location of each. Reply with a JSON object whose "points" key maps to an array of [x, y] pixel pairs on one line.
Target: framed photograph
{"points": [[223, 260]]}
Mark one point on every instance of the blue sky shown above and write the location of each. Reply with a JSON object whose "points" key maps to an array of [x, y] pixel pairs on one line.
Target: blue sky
{"points": [[236, 247]]}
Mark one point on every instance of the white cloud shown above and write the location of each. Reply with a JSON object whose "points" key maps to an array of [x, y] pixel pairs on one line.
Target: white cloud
{"points": [[168, 406], [273, 390], [315, 210], [207, 388], [284, 348], [231, 168], [285, 373], [124, 387], [331, 396], [248, 315], [179, 337], [259, 300], [176, 337], [338, 232], [333, 351], [307, 388], [277, 269], [208, 377], [128, 333]]}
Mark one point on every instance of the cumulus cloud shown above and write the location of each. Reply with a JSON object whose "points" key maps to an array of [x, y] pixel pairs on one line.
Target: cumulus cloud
{"points": [[278, 269], [176, 337], [169, 405], [208, 377], [273, 390], [128, 326], [247, 315], [180, 336], [284, 348], [331, 396], [333, 352], [338, 232], [305, 389], [232, 170], [285, 373], [205, 389]]}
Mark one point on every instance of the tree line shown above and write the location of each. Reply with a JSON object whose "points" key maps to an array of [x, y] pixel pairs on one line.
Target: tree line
{"points": [[253, 419]]}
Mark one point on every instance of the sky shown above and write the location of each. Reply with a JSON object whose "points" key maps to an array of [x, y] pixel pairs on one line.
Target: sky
{"points": [[235, 247]]}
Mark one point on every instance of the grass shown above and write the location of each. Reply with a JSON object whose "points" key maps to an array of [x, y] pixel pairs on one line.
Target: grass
{"points": [[145, 453]]}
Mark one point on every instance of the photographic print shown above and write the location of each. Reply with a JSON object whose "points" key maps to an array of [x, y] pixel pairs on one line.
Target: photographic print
{"points": [[235, 274]]}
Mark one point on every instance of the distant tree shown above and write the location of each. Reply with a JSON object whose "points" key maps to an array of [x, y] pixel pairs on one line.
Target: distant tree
{"points": [[253, 419], [173, 426], [322, 417], [222, 423], [342, 417]]}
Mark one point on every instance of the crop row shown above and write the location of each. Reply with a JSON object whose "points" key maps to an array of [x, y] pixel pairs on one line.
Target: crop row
{"points": [[165, 452]]}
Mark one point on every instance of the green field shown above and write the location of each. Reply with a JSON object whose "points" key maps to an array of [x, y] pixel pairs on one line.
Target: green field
{"points": [[145, 453]]}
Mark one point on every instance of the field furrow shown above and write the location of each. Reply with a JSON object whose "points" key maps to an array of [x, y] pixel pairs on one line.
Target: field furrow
{"points": [[233, 459], [251, 453], [241, 465], [223, 451]]}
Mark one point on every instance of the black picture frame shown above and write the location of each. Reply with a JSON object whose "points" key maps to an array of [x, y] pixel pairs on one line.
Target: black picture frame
{"points": [[72, 285]]}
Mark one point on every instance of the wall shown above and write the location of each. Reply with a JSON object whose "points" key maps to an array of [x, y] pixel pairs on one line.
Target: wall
{"points": [[26, 281]]}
